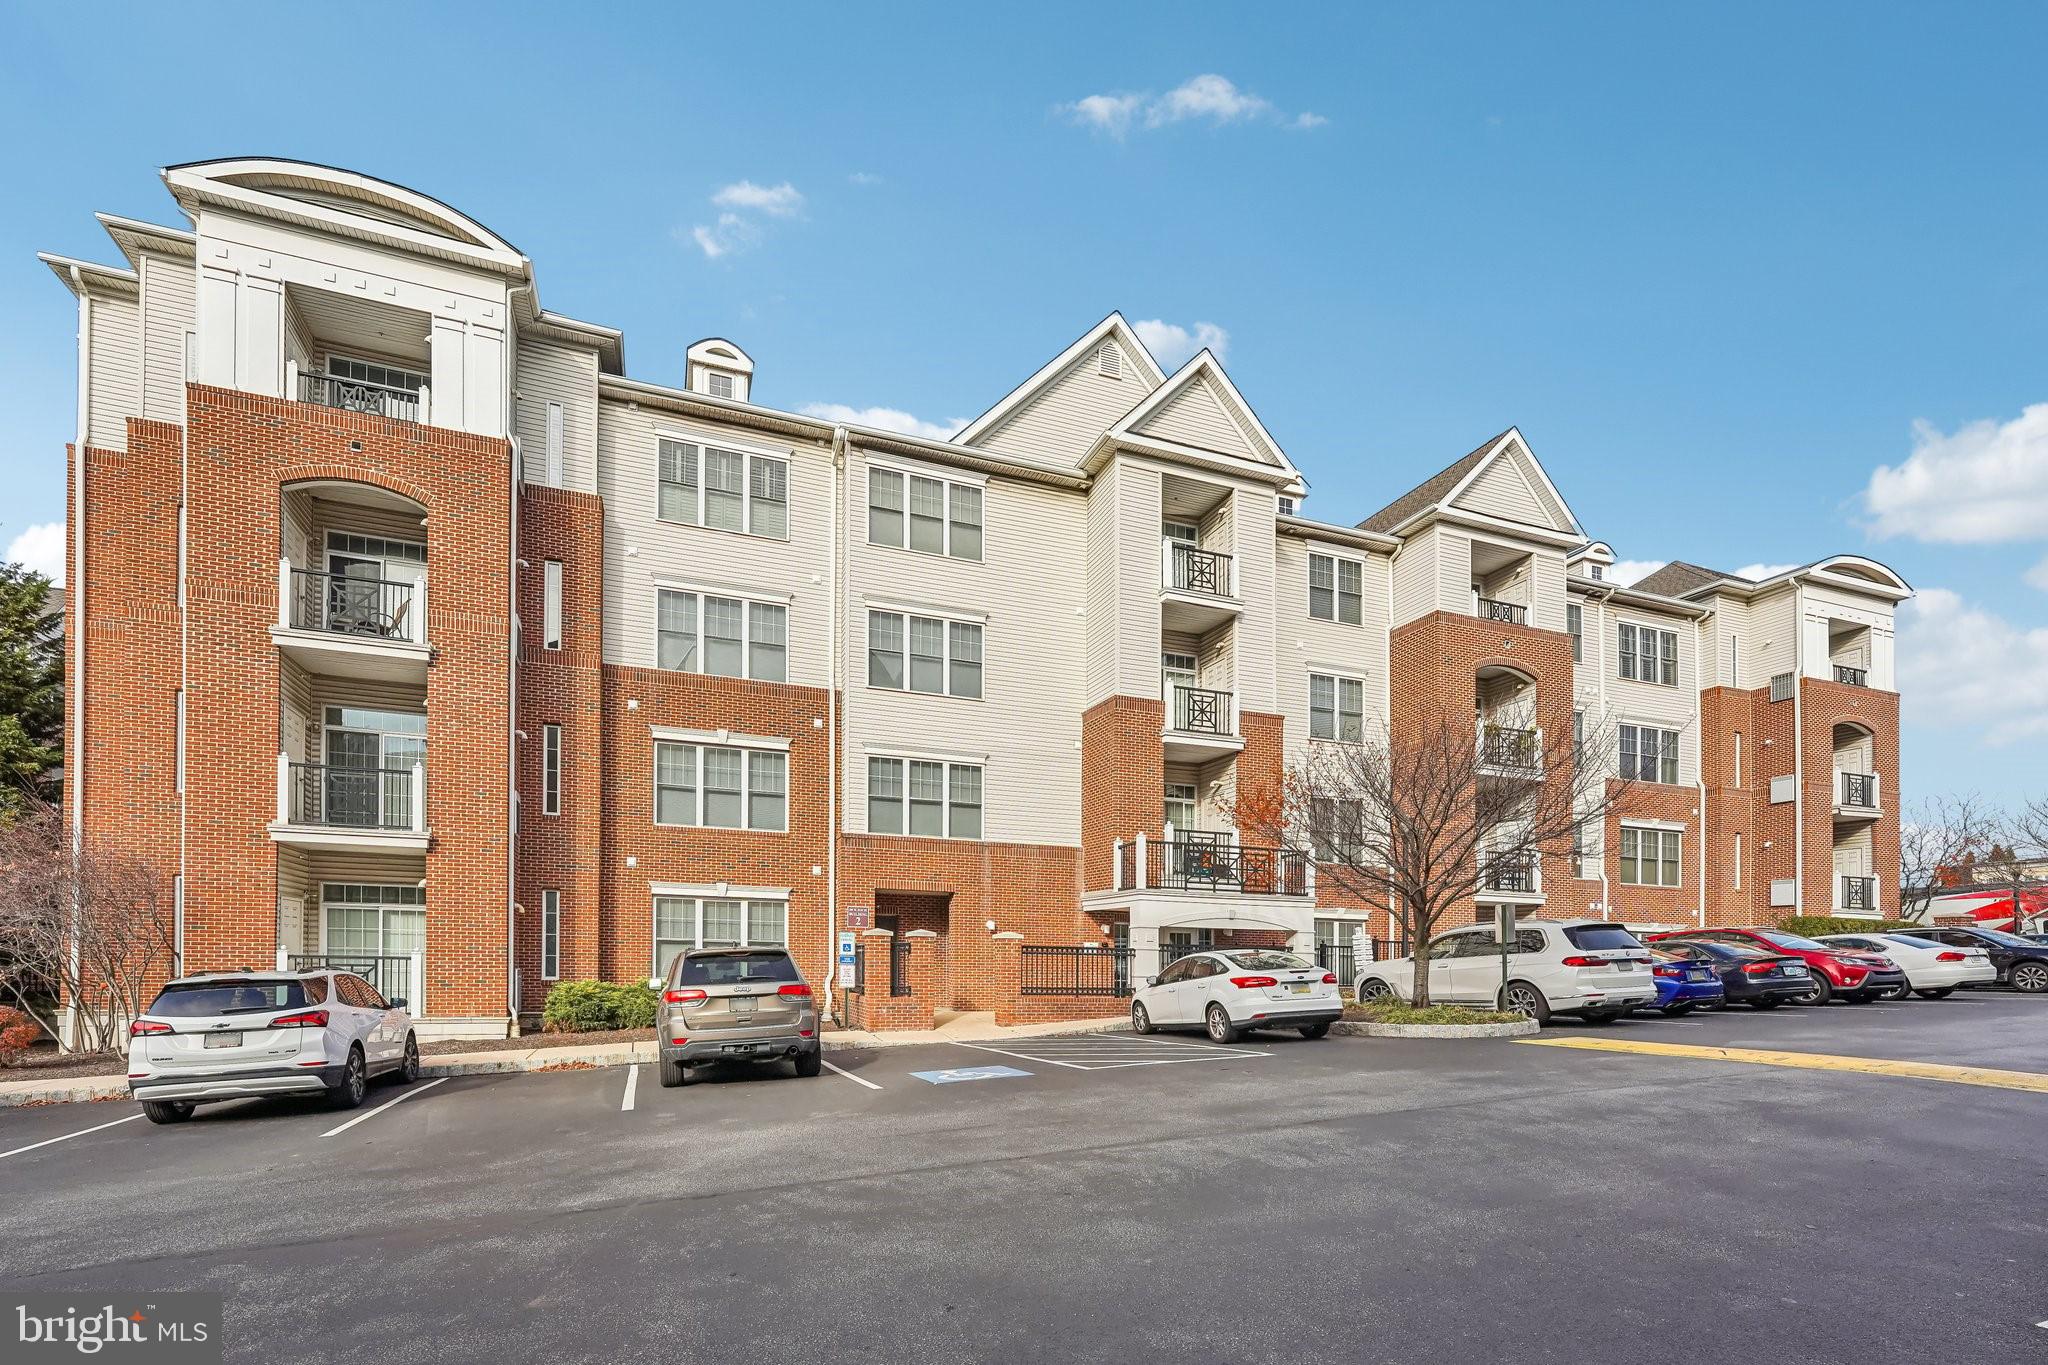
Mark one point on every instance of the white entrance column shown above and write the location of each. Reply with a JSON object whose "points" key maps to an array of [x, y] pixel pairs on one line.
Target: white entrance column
{"points": [[1144, 952]]}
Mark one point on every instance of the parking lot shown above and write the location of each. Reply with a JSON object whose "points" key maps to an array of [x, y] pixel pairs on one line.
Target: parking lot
{"points": [[1106, 1197]]}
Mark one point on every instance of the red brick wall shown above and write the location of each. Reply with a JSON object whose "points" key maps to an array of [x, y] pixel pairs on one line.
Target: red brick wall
{"points": [[1653, 904], [1123, 780], [1825, 703]]}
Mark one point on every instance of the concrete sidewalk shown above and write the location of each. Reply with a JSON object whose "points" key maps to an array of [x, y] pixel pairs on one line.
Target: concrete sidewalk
{"points": [[967, 1028]]}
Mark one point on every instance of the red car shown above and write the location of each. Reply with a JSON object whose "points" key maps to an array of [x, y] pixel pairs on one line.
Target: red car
{"points": [[1845, 972]]}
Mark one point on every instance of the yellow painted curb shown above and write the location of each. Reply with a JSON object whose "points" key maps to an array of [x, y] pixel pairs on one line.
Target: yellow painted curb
{"points": [[1813, 1061]]}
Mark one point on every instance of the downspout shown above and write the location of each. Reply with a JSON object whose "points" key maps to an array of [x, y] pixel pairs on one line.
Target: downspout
{"points": [[512, 1005], [1798, 749], [74, 758], [832, 678], [1600, 672], [1699, 776]]}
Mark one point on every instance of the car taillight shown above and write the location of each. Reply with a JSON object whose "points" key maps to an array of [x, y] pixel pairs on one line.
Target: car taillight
{"points": [[143, 1027], [1949, 957], [1329, 978], [686, 996], [796, 988], [1253, 983], [1666, 971], [1586, 962], [303, 1019], [1759, 968]]}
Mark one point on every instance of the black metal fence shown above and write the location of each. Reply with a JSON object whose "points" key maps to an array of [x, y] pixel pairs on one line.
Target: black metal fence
{"points": [[350, 798], [374, 607], [1514, 613], [1053, 970], [1181, 865], [1859, 789], [1200, 711], [1202, 571], [1509, 872], [1339, 960], [392, 976], [1509, 746], [357, 395], [899, 967], [1855, 677], [1859, 893]]}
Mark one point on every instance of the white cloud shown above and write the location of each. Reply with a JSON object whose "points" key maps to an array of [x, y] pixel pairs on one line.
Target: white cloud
{"points": [[1961, 665], [885, 419], [777, 201], [865, 178], [1757, 573], [1171, 344], [2037, 577], [1627, 571], [41, 548], [732, 233], [1207, 98], [1987, 481]]}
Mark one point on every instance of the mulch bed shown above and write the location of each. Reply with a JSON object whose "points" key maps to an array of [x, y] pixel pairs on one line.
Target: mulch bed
{"points": [[533, 1040], [44, 1063]]}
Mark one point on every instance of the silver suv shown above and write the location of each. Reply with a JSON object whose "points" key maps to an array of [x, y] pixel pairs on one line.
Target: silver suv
{"points": [[735, 1005]]}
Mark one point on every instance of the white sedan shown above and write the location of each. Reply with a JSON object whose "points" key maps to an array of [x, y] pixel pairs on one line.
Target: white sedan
{"points": [[1230, 991], [1932, 969]]}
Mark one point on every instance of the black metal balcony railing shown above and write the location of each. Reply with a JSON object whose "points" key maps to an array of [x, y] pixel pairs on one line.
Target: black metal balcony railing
{"points": [[1051, 969], [1514, 613], [1509, 872], [1200, 711], [1507, 746], [1206, 866], [373, 607], [1189, 569], [352, 798], [1855, 677], [1859, 893], [391, 976], [1859, 789], [358, 395]]}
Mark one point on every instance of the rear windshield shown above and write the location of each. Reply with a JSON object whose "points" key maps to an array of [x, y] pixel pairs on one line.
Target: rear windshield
{"points": [[1265, 961], [1594, 937], [198, 998], [1911, 941], [1785, 940], [723, 969], [2000, 936], [1731, 950]]}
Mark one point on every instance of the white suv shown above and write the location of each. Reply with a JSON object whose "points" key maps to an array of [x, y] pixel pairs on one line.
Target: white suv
{"points": [[238, 1035], [1588, 967]]}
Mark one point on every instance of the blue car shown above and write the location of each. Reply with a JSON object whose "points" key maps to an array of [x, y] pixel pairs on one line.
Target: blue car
{"points": [[1682, 984]]}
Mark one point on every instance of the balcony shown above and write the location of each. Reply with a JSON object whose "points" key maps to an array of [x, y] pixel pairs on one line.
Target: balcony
{"points": [[1858, 896], [1197, 588], [1201, 724], [350, 626], [360, 395], [1853, 677], [1857, 796], [1516, 876], [1508, 613], [1510, 751], [1212, 866], [327, 806]]}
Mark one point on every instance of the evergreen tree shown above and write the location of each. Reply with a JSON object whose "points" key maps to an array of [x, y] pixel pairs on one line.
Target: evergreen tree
{"points": [[31, 687]]}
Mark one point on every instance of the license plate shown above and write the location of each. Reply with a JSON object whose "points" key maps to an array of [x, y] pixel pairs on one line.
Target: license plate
{"points": [[1301, 987], [223, 1040], [1795, 971], [1695, 976], [1624, 966], [743, 1004]]}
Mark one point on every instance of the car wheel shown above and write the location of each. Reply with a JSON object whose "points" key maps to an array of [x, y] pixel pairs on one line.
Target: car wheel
{"points": [[1898, 992], [167, 1111], [1767, 1004], [1944, 993], [1221, 1030], [1600, 1016], [2031, 977], [1676, 1011], [810, 1063], [1819, 993], [1141, 1018], [409, 1065], [1315, 1030], [1524, 999], [348, 1092], [1372, 988], [673, 1074]]}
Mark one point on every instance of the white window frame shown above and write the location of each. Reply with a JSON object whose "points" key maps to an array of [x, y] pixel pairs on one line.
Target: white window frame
{"points": [[554, 445], [748, 898], [1737, 774], [1661, 833], [747, 754], [1628, 657], [1575, 626], [1738, 861], [946, 802], [1337, 682], [904, 616], [1337, 565], [947, 482], [748, 457], [550, 770], [551, 604], [748, 642], [1648, 728], [550, 935]]}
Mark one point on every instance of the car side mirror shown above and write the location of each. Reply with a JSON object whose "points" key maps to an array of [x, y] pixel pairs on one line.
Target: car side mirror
{"points": [[398, 1002], [1151, 980]]}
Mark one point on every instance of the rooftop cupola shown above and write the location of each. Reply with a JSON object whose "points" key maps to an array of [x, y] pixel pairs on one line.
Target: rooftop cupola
{"points": [[719, 368]]}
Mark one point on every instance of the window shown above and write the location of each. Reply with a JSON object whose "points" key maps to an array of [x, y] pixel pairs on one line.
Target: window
{"points": [[1649, 857], [1737, 877], [1336, 589], [550, 770], [1647, 654], [1578, 736], [940, 517], [924, 654], [1575, 626], [1337, 832], [550, 935], [1287, 506], [720, 788], [1648, 755], [551, 605], [366, 372], [924, 797], [554, 444], [1336, 708], [726, 637], [718, 385], [1736, 774], [722, 489], [685, 922], [1586, 849], [1180, 806]]}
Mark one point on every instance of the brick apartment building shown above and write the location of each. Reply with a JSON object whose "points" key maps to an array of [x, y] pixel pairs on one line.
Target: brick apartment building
{"points": [[405, 626]]}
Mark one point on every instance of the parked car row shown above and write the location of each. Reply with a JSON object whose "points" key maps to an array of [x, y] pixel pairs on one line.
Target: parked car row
{"points": [[1600, 971]]}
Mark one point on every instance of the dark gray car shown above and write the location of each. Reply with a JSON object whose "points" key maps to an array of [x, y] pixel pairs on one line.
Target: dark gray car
{"points": [[736, 1005]]}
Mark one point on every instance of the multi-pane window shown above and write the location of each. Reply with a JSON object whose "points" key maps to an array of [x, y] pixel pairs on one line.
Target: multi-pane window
{"points": [[924, 797], [1180, 806], [720, 788], [550, 935], [1575, 626], [1336, 589], [551, 604], [726, 490], [685, 922], [924, 654], [727, 637], [1336, 708], [1648, 754], [550, 770], [369, 372], [1337, 829], [1650, 857], [1647, 654], [918, 512]]}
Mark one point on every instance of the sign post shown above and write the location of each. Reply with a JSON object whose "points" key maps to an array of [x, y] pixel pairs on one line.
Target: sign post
{"points": [[846, 960], [1504, 930]]}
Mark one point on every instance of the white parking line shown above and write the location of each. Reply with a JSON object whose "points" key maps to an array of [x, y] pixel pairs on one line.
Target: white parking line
{"points": [[632, 1084], [842, 1071], [1112, 1053], [416, 1090], [66, 1137]]}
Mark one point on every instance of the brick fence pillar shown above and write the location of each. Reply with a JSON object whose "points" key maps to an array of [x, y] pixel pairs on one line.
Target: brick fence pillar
{"points": [[1009, 960]]}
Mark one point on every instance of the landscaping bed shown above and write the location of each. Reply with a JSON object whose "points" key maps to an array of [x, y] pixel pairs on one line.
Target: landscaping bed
{"points": [[1393, 1019]]}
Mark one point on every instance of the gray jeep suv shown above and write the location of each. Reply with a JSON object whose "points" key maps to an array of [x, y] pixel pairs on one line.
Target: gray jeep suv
{"points": [[735, 1005]]}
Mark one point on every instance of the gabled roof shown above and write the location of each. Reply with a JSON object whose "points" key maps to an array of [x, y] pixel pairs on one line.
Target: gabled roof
{"points": [[1112, 327], [1431, 490], [1527, 480], [1856, 572], [1199, 409], [1678, 578]]}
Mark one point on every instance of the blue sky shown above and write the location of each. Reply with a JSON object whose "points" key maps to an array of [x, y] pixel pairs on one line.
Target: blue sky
{"points": [[1721, 266]]}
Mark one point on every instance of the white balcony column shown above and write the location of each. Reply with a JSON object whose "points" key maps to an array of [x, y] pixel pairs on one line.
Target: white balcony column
{"points": [[291, 379], [284, 591], [1166, 564], [284, 959], [284, 788], [1143, 876], [426, 411], [1309, 874], [417, 632], [416, 1004], [419, 799], [1116, 867]]}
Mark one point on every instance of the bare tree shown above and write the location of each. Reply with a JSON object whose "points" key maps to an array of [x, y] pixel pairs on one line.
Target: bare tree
{"points": [[1938, 837], [91, 927], [1418, 822]]}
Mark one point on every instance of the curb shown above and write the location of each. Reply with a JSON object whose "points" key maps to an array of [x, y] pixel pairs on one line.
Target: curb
{"points": [[1359, 1028]]}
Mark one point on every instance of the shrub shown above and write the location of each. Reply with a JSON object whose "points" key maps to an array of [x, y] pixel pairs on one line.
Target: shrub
{"points": [[17, 1031], [592, 1006], [1812, 926], [1391, 1011]]}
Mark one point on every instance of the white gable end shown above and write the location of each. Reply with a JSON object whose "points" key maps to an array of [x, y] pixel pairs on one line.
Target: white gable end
{"points": [[1509, 486], [1062, 420], [1197, 416]]}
